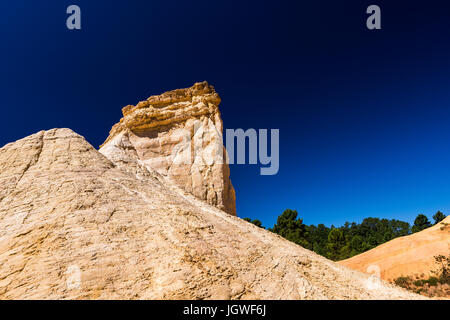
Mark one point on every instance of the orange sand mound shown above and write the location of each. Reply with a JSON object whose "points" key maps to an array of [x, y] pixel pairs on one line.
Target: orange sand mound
{"points": [[411, 255]]}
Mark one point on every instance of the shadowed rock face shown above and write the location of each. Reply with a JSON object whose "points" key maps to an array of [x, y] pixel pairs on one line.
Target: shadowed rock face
{"points": [[75, 225], [178, 134]]}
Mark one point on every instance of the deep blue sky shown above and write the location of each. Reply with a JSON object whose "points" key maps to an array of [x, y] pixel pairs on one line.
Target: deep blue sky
{"points": [[363, 115]]}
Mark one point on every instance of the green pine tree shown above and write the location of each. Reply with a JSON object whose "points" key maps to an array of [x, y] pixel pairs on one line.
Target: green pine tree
{"points": [[336, 242], [438, 217], [291, 228], [420, 223]]}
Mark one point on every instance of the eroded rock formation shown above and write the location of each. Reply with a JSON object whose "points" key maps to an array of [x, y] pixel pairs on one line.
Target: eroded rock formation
{"points": [[75, 225], [178, 134]]}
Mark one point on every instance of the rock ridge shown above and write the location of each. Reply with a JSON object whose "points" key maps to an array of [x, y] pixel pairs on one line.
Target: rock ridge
{"points": [[77, 225]]}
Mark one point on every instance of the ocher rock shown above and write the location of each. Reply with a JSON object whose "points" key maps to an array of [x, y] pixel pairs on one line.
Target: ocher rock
{"points": [[178, 134], [409, 256]]}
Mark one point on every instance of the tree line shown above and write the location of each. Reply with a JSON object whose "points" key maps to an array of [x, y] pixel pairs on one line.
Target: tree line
{"points": [[338, 243]]}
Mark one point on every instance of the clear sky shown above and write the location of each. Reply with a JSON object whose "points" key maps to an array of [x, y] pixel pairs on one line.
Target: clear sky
{"points": [[363, 115]]}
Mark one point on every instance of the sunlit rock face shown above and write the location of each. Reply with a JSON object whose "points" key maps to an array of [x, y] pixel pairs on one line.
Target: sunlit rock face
{"points": [[75, 225], [410, 256], [178, 134]]}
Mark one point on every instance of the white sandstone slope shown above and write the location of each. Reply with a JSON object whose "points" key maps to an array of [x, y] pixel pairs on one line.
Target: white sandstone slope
{"points": [[75, 225]]}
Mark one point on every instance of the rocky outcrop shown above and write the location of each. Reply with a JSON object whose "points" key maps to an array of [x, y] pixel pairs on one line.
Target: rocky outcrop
{"points": [[409, 256], [178, 134], [74, 225]]}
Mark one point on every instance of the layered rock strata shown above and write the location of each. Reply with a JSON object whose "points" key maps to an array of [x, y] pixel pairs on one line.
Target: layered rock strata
{"points": [[179, 135]]}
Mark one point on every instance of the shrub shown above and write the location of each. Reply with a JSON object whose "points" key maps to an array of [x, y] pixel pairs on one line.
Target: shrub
{"points": [[443, 271], [402, 281], [432, 281], [419, 283]]}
